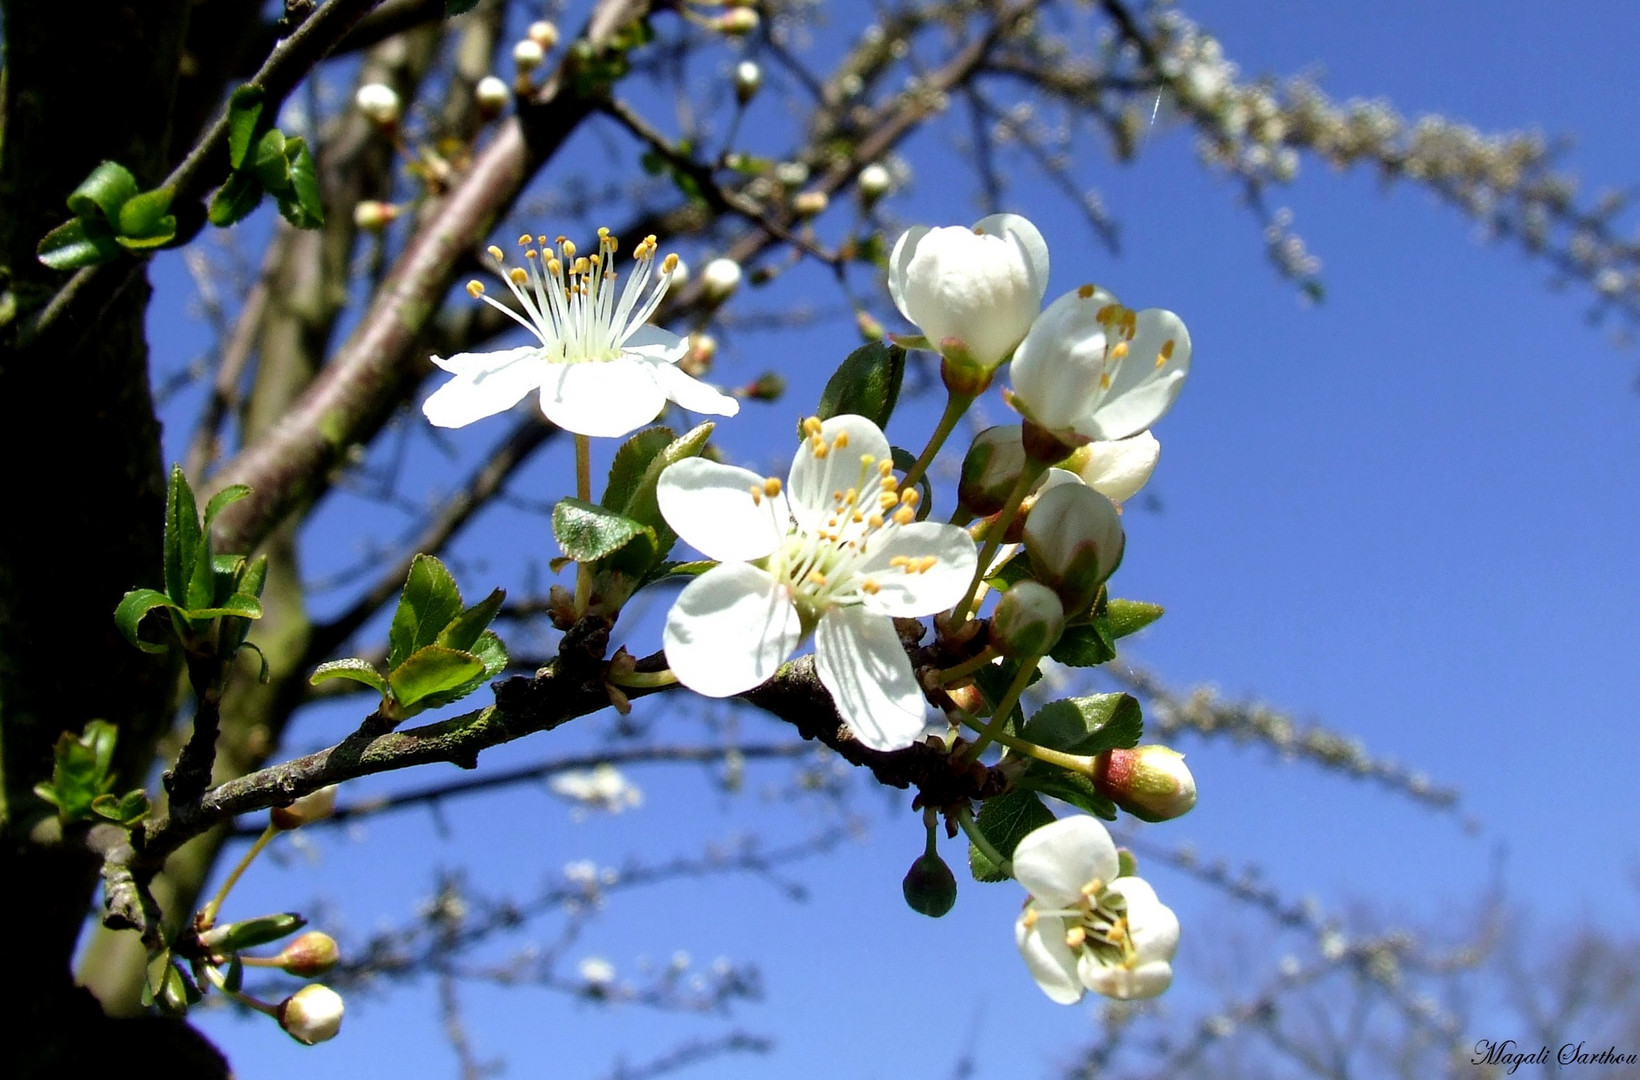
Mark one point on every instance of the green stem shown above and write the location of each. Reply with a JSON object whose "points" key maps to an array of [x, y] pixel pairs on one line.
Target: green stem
{"points": [[583, 491], [965, 818], [1077, 763], [955, 405], [991, 730], [969, 666], [993, 536], [209, 912], [638, 680]]}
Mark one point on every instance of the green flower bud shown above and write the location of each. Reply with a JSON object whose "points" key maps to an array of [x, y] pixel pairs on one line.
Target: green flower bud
{"points": [[1027, 622], [1149, 782], [1075, 539], [929, 886], [991, 469]]}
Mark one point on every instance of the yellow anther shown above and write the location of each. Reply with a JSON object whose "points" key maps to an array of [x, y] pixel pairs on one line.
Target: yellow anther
{"points": [[595, 260], [909, 496], [890, 484], [1075, 937], [1028, 919], [531, 253], [888, 500], [811, 426], [1119, 350], [841, 440], [526, 240], [1166, 352], [475, 289], [1104, 380], [875, 521], [901, 561], [869, 587], [579, 266], [568, 248], [884, 468], [603, 233], [757, 494], [905, 515], [1093, 888], [1085, 292], [856, 517], [771, 486], [1108, 312], [816, 578], [518, 275], [495, 253], [669, 265], [554, 267], [818, 447], [851, 497]]}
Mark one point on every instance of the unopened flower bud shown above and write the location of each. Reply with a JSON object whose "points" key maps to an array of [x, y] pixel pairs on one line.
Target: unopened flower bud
{"points": [[870, 327], [543, 33], [373, 215], [990, 470], [697, 361], [1075, 539], [748, 79], [312, 1014], [929, 886], [766, 387], [1150, 782], [1027, 622], [737, 22], [379, 102], [491, 95], [527, 55], [310, 954], [810, 203], [792, 173], [720, 279], [873, 182], [969, 698], [314, 806]]}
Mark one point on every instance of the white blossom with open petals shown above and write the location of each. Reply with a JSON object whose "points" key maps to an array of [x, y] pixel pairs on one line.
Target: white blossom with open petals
{"points": [[835, 552], [600, 368], [1117, 468], [1083, 927], [980, 286], [1091, 369]]}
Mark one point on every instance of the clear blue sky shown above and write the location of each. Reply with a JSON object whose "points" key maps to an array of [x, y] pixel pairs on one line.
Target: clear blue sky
{"points": [[1408, 513]]}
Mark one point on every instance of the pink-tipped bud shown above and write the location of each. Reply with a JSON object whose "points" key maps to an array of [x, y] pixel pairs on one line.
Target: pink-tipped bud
{"points": [[1150, 782], [310, 954], [312, 1014], [766, 387], [543, 33], [373, 215]]}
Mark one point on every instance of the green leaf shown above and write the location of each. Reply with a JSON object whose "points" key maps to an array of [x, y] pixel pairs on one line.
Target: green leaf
{"points": [[238, 605], [77, 243], [643, 507], [1131, 616], [182, 537], [1087, 725], [1005, 821], [492, 653], [301, 205], [253, 577], [244, 115], [428, 604], [627, 470], [235, 199], [465, 628], [80, 770], [1073, 788], [867, 384], [234, 977], [353, 669], [1086, 645], [269, 163], [222, 500], [107, 189], [262, 659], [136, 604], [127, 809], [251, 933], [145, 221], [433, 670], [588, 533]]}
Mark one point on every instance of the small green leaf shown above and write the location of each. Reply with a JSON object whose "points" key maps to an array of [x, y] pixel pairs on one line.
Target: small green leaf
{"points": [[244, 115], [80, 770], [1131, 616], [222, 500], [1086, 645], [235, 199], [234, 977], [353, 669], [1073, 788], [182, 537], [107, 189], [251, 933], [302, 205], [433, 670], [269, 163], [1087, 725], [866, 384], [77, 243], [465, 628], [253, 577], [127, 809], [588, 533], [145, 221], [428, 604], [136, 604], [627, 470], [491, 652], [1005, 821]]}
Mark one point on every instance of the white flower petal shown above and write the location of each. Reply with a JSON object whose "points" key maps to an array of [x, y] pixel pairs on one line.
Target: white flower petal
{"points": [[1049, 959], [604, 398], [1152, 925], [906, 594], [730, 630], [484, 384], [1148, 381], [648, 340], [813, 479], [1055, 861], [981, 286], [859, 658], [1028, 241], [710, 507], [1124, 984], [904, 248], [1056, 369], [1118, 468], [691, 393]]}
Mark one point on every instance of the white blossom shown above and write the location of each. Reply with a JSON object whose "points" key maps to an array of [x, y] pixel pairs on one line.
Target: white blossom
{"points": [[836, 552], [600, 368], [602, 787]]}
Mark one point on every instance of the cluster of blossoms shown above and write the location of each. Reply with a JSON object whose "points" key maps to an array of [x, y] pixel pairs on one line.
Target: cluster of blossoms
{"points": [[837, 550]]}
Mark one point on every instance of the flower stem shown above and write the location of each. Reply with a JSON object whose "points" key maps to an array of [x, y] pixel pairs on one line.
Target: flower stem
{"points": [[961, 671], [209, 911], [993, 535], [1077, 763], [991, 730], [583, 491], [965, 818], [638, 680], [955, 405]]}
